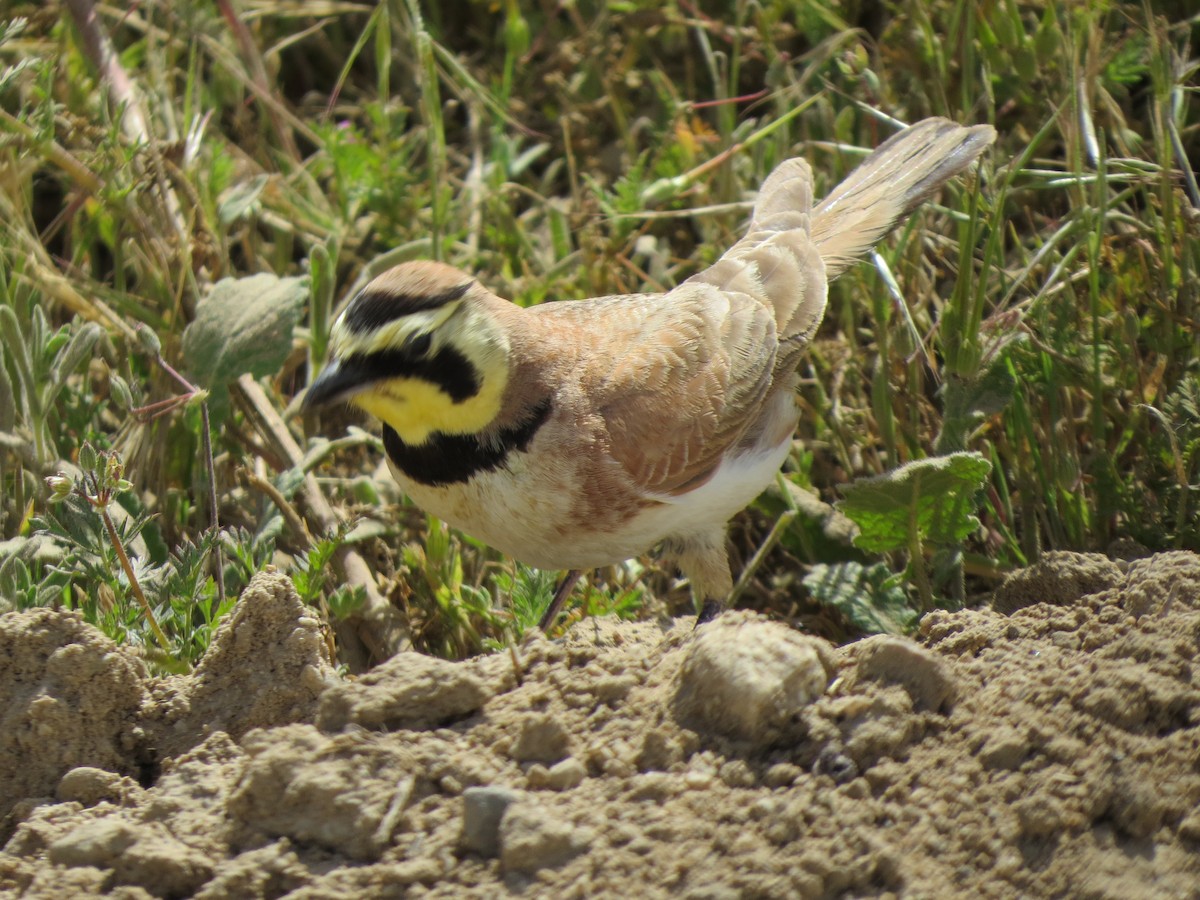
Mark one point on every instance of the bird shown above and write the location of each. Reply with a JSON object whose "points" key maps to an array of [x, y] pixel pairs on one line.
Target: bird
{"points": [[578, 434]]}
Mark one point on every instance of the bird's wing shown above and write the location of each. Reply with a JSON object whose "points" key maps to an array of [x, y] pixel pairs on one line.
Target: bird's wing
{"points": [[677, 378], [675, 401]]}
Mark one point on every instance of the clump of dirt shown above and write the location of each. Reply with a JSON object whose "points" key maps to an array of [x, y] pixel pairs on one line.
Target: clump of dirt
{"points": [[1060, 577], [1050, 751], [68, 697], [268, 664]]}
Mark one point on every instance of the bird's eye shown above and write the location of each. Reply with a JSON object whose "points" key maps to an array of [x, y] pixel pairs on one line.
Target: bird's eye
{"points": [[418, 344]]}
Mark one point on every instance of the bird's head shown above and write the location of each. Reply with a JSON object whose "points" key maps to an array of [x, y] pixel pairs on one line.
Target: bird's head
{"points": [[418, 349]]}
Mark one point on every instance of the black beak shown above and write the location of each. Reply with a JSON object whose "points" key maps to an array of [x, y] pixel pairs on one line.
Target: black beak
{"points": [[340, 380]]}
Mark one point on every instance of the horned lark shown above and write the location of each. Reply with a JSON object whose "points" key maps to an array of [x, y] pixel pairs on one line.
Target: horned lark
{"points": [[579, 434]]}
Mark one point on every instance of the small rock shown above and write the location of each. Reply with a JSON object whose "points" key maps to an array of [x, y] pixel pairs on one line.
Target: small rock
{"points": [[483, 808], [163, 865], [920, 672], [836, 764], [655, 787], [748, 678], [1189, 828], [1005, 749], [659, 752], [782, 775], [561, 776], [89, 786], [96, 843], [613, 688], [1137, 808], [736, 774], [407, 691], [532, 839], [1041, 817], [542, 739], [713, 892]]}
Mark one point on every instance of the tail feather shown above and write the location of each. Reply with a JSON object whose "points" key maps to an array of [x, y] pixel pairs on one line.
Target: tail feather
{"points": [[792, 250], [900, 175]]}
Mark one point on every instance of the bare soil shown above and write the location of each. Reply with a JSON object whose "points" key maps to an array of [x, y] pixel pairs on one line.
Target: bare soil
{"points": [[1047, 746]]}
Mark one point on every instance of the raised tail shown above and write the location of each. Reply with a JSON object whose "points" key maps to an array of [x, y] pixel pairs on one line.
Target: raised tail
{"points": [[900, 175], [792, 250]]}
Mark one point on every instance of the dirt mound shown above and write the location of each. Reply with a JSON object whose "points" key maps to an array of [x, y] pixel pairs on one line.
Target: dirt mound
{"points": [[268, 664], [70, 698], [1051, 751]]}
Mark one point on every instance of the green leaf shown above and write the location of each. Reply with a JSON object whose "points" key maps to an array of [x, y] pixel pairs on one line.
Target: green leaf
{"points": [[8, 400], [240, 199], [966, 402], [244, 326], [323, 282], [346, 601], [934, 497], [869, 597], [1048, 37], [77, 347], [17, 344]]}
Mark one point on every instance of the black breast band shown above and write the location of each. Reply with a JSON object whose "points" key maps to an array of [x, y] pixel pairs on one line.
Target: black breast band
{"points": [[454, 458]]}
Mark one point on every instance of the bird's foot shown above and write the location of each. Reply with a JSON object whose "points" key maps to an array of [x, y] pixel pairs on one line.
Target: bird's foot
{"points": [[709, 611]]}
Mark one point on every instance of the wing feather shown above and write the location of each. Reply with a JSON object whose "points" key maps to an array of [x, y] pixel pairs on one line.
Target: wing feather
{"points": [[686, 377]]}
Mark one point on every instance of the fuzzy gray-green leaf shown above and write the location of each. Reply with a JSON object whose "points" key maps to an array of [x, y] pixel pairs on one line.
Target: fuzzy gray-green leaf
{"points": [[8, 400], [244, 326], [77, 349], [935, 496], [870, 597]]}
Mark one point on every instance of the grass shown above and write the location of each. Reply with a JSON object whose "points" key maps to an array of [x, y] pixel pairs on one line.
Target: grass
{"points": [[1042, 314]]}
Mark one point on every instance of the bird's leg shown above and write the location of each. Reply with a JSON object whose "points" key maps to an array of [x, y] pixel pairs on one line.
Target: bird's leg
{"points": [[705, 563], [561, 593]]}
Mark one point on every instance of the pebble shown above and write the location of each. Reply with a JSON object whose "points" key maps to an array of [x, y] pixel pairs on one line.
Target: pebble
{"points": [[922, 673], [748, 678], [542, 739], [483, 808], [89, 786], [95, 843]]}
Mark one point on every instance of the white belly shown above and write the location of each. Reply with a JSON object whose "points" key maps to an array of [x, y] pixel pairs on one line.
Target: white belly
{"points": [[529, 515], [735, 484]]}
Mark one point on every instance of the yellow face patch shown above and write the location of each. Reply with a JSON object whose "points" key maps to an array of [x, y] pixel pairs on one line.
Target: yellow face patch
{"points": [[416, 408]]}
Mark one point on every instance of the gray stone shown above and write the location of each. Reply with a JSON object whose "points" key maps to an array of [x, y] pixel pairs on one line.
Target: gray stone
{"points": [[483, 808]]}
